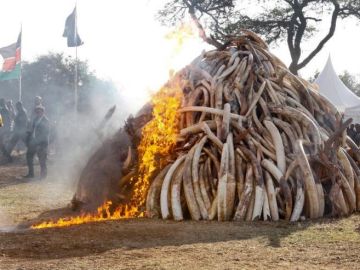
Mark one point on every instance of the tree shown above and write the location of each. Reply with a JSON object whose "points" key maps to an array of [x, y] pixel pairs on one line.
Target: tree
{"points": [[351, 81], [51, 76], [313, 78], [276, 20]]}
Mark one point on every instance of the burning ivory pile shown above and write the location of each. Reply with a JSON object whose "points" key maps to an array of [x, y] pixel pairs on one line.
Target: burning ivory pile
{"points": [[256, 142]]}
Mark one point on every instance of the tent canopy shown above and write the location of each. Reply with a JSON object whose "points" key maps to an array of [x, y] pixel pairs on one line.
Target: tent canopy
{"points": [[354, 113], [331, 87]]}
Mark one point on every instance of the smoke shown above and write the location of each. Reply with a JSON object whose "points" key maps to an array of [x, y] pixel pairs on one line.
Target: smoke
{"points": [[6, 223], [74, 138], [5, 220]]}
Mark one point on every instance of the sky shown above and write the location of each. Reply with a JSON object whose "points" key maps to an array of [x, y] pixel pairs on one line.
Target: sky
{"points": [[123, 41]]}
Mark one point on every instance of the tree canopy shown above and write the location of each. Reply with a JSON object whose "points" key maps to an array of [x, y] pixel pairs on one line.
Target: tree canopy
{"points": [[351, 81], [51, 76], [293, 21]]}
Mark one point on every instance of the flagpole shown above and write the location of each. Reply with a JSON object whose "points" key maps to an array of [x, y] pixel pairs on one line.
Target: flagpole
{"points": [[76, 65], [20, 78], [76, 81]]}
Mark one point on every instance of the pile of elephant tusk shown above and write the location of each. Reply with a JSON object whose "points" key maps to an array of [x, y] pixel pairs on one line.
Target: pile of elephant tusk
{"points": [[257, 142]]}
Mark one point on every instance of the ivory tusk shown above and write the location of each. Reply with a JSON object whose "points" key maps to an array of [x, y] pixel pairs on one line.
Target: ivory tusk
{"points": [[209, 110], [310, 187], [279, 146], [188, 187], [153, 197], [195, 178], [165, 213], [128, 159]]}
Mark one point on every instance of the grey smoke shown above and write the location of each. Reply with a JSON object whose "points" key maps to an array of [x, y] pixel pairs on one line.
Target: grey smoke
{"points": [[77, 138], [5, 220]]}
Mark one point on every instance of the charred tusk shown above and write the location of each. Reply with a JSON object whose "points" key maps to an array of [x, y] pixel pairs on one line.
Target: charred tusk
{"points": [[128, 159]]}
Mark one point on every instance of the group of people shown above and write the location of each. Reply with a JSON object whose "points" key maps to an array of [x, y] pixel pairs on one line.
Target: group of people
{"points": [[32, 130]]}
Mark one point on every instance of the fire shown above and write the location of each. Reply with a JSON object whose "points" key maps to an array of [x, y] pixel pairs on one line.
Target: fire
{"points": [[185, 44], [180, 35], [158, 139], [102, 214]]}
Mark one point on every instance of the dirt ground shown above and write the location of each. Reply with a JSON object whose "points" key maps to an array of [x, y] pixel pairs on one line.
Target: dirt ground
{"points": [[156, 244]]}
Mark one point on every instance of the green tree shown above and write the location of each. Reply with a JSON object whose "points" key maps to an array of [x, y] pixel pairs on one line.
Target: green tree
{"points": [[351, 81], [313, 78], [51, 76], [293, 21]]}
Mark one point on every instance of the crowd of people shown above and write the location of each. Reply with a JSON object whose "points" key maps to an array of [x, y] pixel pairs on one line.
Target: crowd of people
{"points": [[33, 130]]}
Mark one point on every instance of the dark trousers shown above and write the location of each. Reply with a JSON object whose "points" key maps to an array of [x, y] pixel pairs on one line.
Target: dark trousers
{"points": [[3, 138], [41, 151], [15, 138]]}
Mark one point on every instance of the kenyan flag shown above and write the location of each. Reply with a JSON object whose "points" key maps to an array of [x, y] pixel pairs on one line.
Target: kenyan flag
{"points": [[12, 60]]}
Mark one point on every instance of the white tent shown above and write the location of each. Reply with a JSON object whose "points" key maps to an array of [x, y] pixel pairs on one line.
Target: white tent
{"points": [[354, 113], [331, 87]]}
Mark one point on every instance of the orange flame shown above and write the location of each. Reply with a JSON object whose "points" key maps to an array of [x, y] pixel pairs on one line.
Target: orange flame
{"points": [[181, 34], [182, 38], [103, 213], [158, 139]]}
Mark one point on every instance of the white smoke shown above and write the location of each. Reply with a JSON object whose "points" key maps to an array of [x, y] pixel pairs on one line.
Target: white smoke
{"points": [[5, 219], [78, 136]]}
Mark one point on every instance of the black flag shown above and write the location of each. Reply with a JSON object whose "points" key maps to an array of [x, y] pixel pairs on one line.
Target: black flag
{"points": [[70, 32]]}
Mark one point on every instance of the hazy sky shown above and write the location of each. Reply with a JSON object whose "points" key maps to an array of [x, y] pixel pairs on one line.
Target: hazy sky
{"points": [[124, 42]]}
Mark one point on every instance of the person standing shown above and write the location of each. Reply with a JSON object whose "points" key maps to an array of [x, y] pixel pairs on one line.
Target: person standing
{"points": [[37, 142], [21, 122], [37, 102], [10, 107], [5, 131]]}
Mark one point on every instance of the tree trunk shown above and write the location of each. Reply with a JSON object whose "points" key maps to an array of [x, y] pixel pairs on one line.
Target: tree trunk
{"points": [[293, 68]]}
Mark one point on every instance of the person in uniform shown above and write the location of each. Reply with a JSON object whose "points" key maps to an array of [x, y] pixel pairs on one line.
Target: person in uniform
{"points": [[5, 131], [10, 107], [37, 102], [21, 122]]}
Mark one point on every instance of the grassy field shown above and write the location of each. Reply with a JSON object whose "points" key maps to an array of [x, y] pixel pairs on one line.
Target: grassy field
{"points": [[156, 244]]}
